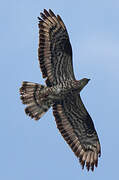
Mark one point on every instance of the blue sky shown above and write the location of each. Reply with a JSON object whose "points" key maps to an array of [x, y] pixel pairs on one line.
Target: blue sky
{"points": [[35, 150]]}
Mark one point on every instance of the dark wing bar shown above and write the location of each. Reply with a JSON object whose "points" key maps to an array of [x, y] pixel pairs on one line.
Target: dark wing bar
{"points": [[77, 128], [55, 51]]}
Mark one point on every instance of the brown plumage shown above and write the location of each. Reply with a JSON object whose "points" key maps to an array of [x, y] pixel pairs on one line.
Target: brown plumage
{"points": [[61, 91]]}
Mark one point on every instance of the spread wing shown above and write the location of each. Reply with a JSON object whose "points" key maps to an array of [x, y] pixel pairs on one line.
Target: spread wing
{"points": [[77, 128], [55, 51]]}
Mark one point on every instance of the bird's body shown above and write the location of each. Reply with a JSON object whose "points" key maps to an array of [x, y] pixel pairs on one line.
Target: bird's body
{"points": [[62, 91]]}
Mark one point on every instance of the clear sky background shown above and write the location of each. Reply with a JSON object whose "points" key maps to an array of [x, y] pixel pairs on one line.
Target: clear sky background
{"points": [[35, 150]]}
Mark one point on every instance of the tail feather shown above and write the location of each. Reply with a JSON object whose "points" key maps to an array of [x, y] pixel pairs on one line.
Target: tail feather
{"points": [[31, 95]]}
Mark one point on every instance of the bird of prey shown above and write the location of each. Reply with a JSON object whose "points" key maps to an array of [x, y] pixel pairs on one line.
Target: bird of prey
{"points": [[61, 92]]}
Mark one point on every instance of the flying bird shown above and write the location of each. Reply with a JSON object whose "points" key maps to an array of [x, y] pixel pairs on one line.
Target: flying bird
{"points": [[61, 92]]}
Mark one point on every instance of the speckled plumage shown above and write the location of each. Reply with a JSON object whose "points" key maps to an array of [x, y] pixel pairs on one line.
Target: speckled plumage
{"points": [[62, 91]]}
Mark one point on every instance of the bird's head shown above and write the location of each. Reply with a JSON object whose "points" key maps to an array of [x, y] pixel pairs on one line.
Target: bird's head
{"points": [[79, 85], [84, 82]]}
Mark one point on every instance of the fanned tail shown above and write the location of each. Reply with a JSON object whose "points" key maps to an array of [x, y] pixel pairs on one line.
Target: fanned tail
{"points": [[31, 95]]}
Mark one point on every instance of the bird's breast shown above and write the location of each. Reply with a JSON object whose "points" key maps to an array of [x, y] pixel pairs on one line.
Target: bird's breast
{"points": [[61, 90]]}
